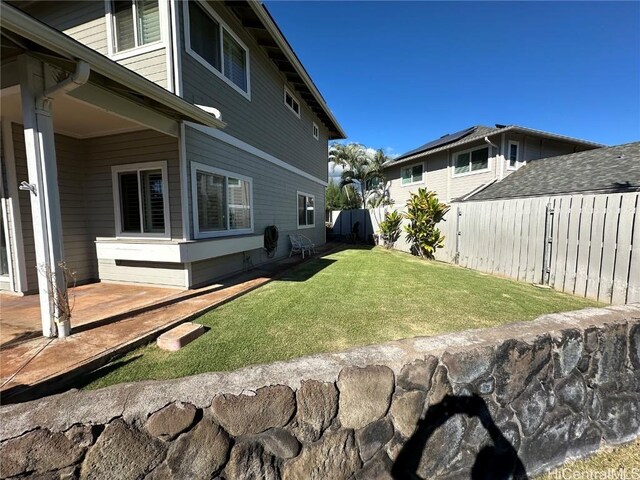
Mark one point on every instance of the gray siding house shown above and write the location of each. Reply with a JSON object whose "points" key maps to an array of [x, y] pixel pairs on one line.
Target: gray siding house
{"points": [[459, 164], [153, 142]]}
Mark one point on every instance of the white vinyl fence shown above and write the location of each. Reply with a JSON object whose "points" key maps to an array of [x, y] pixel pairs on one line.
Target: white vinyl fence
{"points": [[586, 245]]}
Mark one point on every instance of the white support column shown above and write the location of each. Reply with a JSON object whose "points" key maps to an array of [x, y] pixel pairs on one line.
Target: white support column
{"points": [[45, 199]]}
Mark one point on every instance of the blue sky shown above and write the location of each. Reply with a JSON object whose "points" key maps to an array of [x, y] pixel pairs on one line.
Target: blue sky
{"points": [[397, 74]]}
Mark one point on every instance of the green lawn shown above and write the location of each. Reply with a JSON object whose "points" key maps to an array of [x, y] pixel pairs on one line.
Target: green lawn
{"points": [[352, 297]]}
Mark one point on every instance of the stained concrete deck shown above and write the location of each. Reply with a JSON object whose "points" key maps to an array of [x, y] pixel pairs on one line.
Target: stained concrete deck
{"points": [[42, 366]]}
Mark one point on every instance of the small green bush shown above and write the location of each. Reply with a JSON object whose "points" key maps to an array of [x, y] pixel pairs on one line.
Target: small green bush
{"points": [[424, 212], [390, 228]]}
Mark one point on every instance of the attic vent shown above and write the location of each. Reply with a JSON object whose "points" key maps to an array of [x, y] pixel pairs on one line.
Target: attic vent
{"points": [[445, 135]]}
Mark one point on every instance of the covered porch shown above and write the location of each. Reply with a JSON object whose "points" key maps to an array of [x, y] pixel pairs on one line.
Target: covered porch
{"points": [[90, 151]]}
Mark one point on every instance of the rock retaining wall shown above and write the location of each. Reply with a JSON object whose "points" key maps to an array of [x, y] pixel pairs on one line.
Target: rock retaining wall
{"points": [[518, 398]]}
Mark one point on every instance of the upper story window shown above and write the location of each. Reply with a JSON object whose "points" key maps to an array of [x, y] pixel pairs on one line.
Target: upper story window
{"points": [[513, 155], [471, 161], [412, 174], [291, 102], [221, 201], [215, 46], [141, 200], [135, 23], [316, 131]]}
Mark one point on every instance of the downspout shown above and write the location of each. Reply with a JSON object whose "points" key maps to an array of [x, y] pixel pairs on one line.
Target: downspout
{"points": [[486, 139], [45, 127], [503, 159]]}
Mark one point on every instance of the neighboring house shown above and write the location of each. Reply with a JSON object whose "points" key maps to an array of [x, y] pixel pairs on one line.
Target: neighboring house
{"points": [[570, 222], [458, 164], [153, 142], [599, 171]]}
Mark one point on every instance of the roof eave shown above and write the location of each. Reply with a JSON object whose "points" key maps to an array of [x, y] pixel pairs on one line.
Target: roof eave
{"points": [[541, 133], [18, 22], [264, 16]]}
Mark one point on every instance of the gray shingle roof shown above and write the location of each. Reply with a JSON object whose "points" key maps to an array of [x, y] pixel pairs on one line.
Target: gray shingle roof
{"points": [[609, 169], [476, 133]]}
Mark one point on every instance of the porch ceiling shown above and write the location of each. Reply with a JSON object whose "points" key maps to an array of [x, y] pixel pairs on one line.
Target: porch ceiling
{"points": [[72, 117]]}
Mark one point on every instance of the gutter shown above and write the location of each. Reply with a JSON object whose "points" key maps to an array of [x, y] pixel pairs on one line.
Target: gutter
{"points": [[73, 81], [527, 131], [13, 20]]}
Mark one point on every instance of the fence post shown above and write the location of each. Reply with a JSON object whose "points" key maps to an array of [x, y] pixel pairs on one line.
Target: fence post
{"points": [[456, 258], [548, 244]]}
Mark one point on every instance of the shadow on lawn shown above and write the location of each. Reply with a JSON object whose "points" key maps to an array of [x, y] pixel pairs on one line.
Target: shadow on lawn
{"points": [[306, 270], [498, 461]]}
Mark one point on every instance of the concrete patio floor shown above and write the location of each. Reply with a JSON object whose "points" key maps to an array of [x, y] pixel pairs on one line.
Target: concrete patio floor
{"points": [[42, 366], [92, 303]]}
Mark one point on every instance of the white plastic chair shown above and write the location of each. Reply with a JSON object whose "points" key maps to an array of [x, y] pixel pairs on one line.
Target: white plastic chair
{"points": [[307, 244], [301, 244]]}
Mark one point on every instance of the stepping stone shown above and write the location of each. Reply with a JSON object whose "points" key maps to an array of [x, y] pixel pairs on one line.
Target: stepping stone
{"points": [[178, 337]]}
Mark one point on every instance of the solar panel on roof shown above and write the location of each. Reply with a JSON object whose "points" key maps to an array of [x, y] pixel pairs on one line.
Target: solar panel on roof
{"points": [[445, 139]]}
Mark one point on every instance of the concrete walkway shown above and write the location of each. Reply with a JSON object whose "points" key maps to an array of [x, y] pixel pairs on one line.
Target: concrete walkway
{"points": [[44, 366]]}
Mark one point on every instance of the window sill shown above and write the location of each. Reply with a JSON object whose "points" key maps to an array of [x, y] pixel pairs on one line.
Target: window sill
{"points": [[134, 52], [174, 251], [412, 184], [304, 227], [466, 174], [219, 74]]}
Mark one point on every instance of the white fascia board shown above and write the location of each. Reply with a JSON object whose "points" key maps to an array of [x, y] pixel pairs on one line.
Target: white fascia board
{"points": [[13, 20], [174, 252]]}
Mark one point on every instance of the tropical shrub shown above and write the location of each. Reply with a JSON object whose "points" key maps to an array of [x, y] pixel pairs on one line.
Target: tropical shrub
{"points": [[424, 212], [390, 228]]}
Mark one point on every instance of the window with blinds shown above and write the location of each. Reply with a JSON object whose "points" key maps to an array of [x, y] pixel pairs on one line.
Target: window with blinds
{"points": [[306, 210], [135, 23], [142, 201], [223, 202], [213, 44]]}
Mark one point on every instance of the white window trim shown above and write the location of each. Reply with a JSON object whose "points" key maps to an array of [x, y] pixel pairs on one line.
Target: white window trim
{"points": [[315, 211], [519, 163], [135, 51], [202, 61], [419, 182], [469, 151], [284, 100], [197, 234], [315, 131], [135, 167]]}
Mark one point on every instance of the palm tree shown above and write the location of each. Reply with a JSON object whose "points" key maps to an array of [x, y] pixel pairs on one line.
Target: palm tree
{"points": [[360, 167]]}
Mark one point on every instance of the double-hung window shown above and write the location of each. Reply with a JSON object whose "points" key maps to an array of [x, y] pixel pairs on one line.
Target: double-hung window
{"points": [[306, 210], [222, 202], [134, 23], [141, 200], [412, 174], [212, 43], [471, 161]]}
